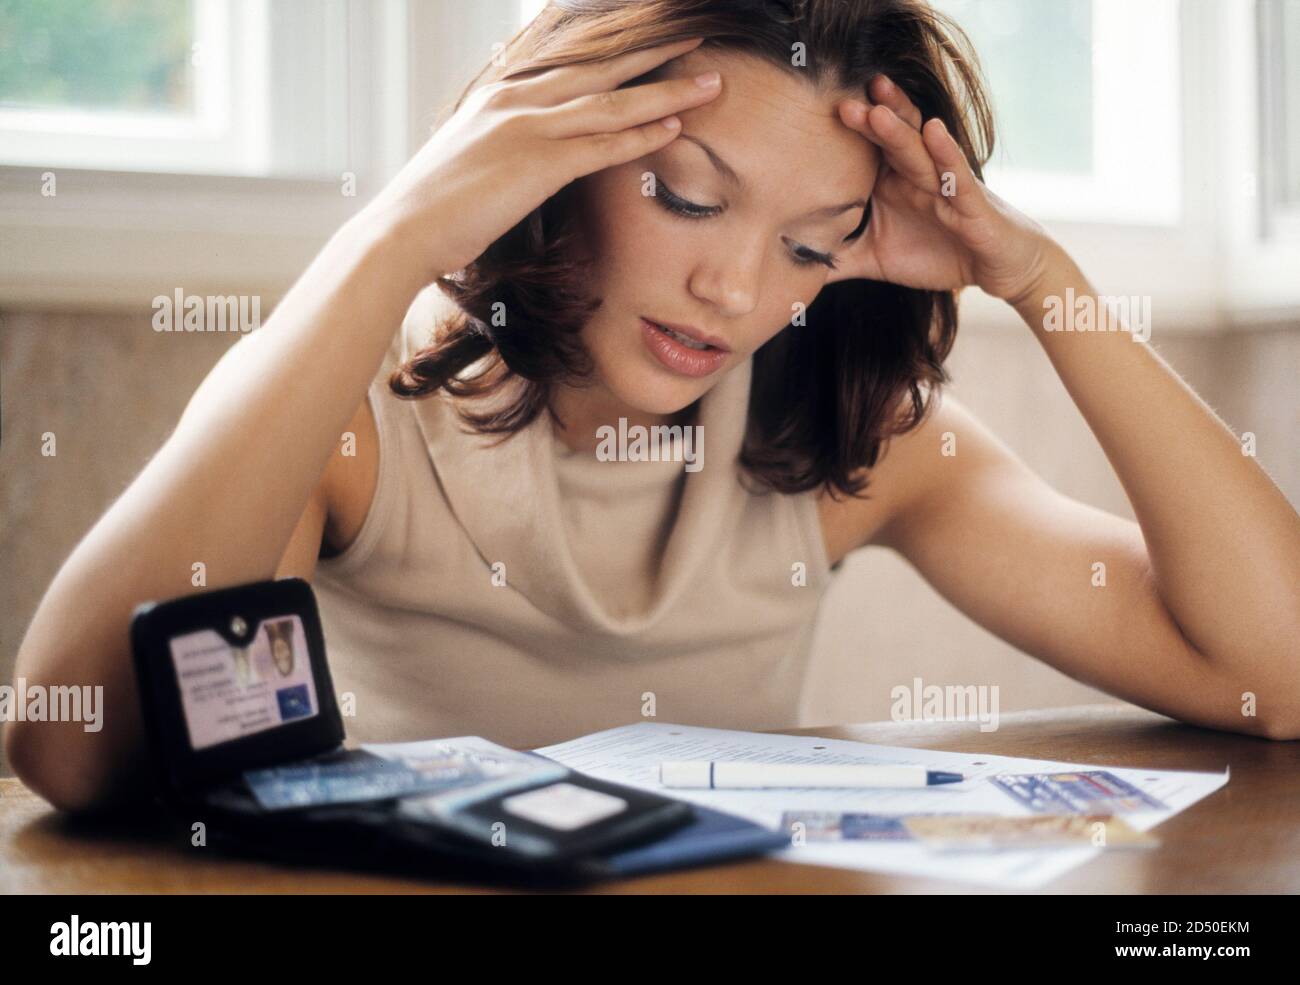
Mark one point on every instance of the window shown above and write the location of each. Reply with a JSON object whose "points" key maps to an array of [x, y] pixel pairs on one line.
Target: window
{"points": [[209, 143], [59, 55], [1086, 99], [1279, 81], [212, 144], [1038, 60], [255, 87]]}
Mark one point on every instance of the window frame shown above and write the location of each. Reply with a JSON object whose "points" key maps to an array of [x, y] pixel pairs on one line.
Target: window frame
{"points": [[1136, 46], [1258, 275], [113, 237], [1279, 220], [1213, 269], [213, 138], [110, 238]]}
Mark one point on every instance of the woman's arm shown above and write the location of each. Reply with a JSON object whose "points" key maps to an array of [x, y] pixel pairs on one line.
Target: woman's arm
{"points": [[1022, 560], [226, 489], [1200, 608], [230, 485], [1224, 543]]}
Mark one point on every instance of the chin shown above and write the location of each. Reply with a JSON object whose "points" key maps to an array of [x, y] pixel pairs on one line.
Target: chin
{"points": [[638, 379], [651, 390]]}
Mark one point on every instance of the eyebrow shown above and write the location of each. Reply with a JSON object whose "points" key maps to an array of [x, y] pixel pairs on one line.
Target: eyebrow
{"points": [[730, 175]]}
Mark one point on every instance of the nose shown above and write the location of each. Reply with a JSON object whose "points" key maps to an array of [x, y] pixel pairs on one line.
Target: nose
{"points": [[729, 279]]}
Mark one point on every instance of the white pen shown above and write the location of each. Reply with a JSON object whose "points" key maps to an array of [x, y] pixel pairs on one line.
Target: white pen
{"points": [[721, 775]]}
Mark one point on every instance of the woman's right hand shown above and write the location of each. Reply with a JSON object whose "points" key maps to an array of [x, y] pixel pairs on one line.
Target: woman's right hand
{"points": [[514, 144]]}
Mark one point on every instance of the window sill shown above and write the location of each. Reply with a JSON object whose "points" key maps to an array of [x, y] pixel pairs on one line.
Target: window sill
{"points": [[115, 240]]}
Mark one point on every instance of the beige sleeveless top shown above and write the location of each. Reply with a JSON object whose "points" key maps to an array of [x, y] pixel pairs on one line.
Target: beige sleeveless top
{"points": [[529, 593]]}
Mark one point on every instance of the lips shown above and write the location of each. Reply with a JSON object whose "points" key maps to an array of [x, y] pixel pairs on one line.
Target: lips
{"points": [[691, 335], [682, 349]]}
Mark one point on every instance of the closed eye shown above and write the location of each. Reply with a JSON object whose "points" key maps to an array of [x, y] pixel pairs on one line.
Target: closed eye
{"points": [[675, 204], [680, 206]]}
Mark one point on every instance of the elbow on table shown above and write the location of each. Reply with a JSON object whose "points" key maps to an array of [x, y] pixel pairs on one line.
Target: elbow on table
{"points": [[1280, 720], [1281, 730], [1276, 724], [29, 749]]}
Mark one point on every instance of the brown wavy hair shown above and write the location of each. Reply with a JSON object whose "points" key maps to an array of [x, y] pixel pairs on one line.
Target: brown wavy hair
{"points": [[867, 363]]}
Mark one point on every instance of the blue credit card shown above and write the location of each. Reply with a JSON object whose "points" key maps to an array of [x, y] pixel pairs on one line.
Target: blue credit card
{"points": [[845, 826], [1076, 792], [455, 770], [351, 777]]}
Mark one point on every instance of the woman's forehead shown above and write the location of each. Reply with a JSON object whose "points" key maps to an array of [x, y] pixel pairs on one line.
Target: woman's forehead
{"points": [[765, 115]]}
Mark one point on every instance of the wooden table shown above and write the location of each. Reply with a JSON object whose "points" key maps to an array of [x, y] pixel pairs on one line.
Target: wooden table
{"points": [[1244, 838]]}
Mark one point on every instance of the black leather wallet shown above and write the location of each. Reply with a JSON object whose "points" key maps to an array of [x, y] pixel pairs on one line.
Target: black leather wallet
{"points": [[235, 681]]}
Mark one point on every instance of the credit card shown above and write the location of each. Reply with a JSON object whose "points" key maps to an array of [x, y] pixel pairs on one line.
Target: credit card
{"points": [[984, 833], [468, 768], [349, 778], [844, 826], [1081, 792], [466, 765]]}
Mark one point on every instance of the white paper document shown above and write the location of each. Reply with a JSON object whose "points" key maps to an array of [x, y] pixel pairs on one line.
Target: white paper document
{"points": [[631, 755]]}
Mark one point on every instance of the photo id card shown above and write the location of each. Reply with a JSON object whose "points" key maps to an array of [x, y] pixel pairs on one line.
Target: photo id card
{"points": [[229, 692]]}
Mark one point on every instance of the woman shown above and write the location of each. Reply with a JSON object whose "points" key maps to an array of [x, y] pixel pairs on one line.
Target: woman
{"points": [[769, 257]]}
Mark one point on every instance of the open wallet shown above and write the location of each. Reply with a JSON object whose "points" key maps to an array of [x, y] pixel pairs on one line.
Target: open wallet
{"points": [[245, 734]]}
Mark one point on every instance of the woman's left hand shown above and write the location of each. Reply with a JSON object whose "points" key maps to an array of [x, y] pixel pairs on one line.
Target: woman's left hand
{"points": [[934, 225]]}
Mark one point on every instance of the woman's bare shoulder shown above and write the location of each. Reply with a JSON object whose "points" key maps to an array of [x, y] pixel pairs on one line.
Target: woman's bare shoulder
{"points": [[908, 462]]}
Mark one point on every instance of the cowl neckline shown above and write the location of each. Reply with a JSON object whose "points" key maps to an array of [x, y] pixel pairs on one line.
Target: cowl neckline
{"points": [[506, 496]]}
